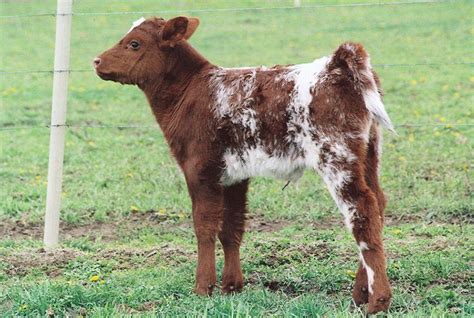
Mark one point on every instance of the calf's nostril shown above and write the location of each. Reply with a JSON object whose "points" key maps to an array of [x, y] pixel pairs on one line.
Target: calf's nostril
{"points": [[96, 61]]}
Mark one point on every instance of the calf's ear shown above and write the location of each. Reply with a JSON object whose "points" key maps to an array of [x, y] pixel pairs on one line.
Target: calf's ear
{"points": [[177, 29]]}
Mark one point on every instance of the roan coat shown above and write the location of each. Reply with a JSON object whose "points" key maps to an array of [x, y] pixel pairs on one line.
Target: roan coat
{"points": [[225, 126]]}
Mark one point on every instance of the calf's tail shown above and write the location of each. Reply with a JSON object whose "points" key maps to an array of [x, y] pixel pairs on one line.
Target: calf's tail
{"points": [[353, 57]]}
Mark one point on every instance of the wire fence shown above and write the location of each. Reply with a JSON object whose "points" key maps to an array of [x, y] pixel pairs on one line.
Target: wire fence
{"points": [[243, 9], [8, 72], [128, 126], [383, 65]]}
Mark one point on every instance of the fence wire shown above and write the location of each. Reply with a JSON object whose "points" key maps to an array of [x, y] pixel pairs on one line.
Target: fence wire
{"points": [[127, 126], [270, 8], [211, 10], [382, 65]]}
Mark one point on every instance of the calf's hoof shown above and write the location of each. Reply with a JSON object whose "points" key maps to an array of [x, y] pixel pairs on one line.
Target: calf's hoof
{"points": [[233, 286], [360, 294], [205, 290], [378, 303]]}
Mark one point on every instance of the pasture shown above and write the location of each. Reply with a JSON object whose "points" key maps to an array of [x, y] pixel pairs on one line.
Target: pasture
{"points": [[127, 243]]}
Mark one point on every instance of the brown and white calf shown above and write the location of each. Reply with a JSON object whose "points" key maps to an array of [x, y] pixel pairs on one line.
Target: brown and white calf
{"points": [[225, 126]]}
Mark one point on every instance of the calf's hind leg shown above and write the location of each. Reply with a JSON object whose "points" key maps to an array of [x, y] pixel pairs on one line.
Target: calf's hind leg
{"points": [[233, 226], [359, 205], [360, 292]]}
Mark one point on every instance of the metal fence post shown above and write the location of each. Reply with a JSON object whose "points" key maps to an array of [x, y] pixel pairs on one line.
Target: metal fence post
{"points": [[58, 122]]}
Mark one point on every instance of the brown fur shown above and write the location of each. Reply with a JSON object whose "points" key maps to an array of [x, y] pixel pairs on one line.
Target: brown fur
{"points": [[176, 81]]}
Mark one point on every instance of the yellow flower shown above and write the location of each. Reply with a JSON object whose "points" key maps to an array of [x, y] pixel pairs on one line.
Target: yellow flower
{"points": [[9, 91], [402, 158], [134, 208], [23, 307], [411, 138], [102, 281], [396, 231], [94, 278], [437, 133], [413, 82], [161, 212], [351, 273]]}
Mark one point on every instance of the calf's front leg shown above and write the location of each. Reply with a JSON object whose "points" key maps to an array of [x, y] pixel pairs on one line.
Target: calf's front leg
{"points": [[235, 207], [208, 206]]}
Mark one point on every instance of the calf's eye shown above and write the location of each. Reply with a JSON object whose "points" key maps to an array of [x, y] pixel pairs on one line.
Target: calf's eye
{"points": [[135, 45]]}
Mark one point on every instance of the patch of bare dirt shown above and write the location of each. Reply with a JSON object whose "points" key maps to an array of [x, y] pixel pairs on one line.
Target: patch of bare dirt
{"points": [[113, 230], [273, 253], [49, 262], [257, 223], [275, 286], [106, 231], [53, 262], [130, 257], [390, 220]]}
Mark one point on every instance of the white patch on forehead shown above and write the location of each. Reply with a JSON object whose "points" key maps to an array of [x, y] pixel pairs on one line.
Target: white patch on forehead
{"points": [[136, 23]]}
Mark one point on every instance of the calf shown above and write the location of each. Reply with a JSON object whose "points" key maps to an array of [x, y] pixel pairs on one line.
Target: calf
{"points": [[226, 125]]}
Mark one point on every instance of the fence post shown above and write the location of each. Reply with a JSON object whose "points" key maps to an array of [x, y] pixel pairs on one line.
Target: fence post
{"points": [[297, 3], [58, 122]]}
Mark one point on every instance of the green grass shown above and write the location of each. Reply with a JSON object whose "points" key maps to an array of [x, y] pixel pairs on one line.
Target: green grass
{"points": [[302, 266]]}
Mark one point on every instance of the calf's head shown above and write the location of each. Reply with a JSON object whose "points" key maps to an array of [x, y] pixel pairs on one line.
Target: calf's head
{"points": [[146, 51]]}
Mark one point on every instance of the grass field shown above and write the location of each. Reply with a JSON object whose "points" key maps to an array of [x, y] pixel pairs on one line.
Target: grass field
{"points": [[127, 241]]}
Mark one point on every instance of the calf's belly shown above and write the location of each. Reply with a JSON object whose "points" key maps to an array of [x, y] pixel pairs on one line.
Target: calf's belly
{"points": [[256, 162]]}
